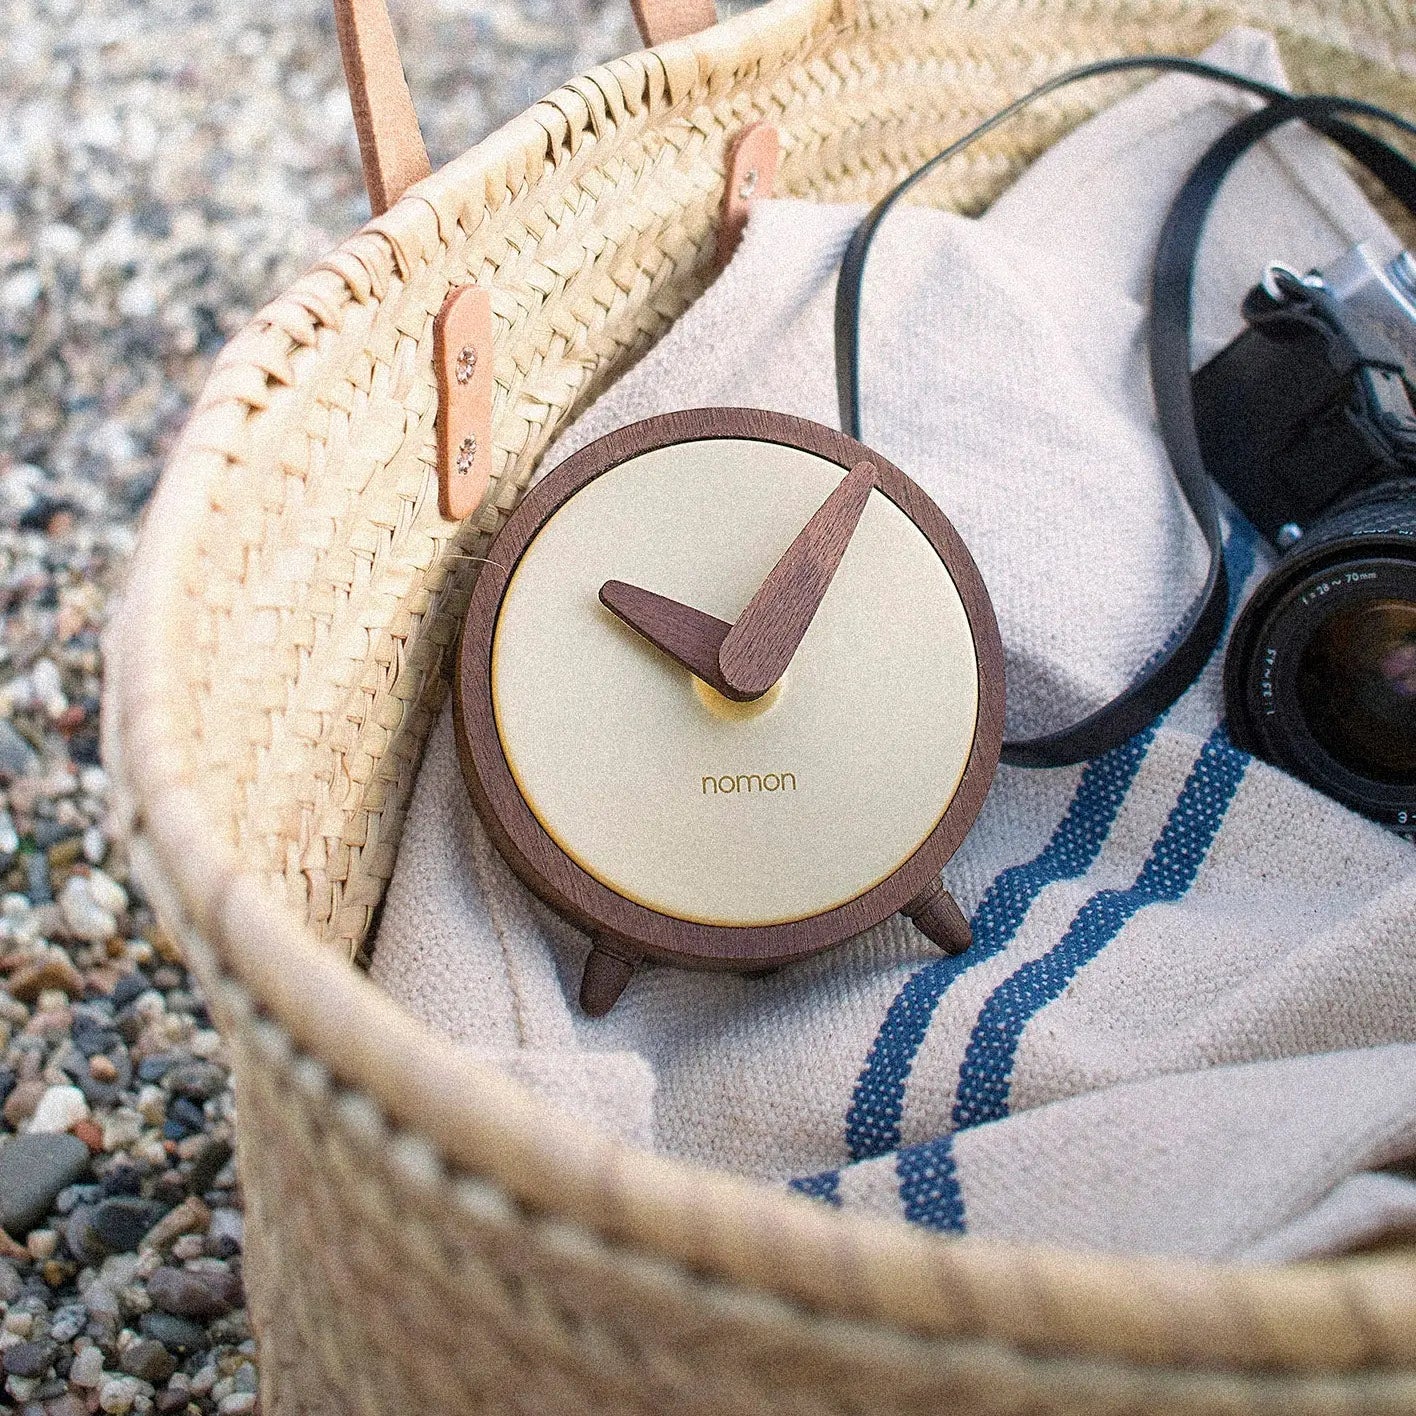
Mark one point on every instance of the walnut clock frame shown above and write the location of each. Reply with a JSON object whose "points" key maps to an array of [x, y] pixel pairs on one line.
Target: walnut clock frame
{"points": [[623, 932]]}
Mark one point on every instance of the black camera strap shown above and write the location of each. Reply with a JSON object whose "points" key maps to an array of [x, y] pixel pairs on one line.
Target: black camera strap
{"points": [[1172, 671]]}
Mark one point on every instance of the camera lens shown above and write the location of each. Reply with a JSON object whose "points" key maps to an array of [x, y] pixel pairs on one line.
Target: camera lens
{"points": [[1320, 676], [1357, 689]]}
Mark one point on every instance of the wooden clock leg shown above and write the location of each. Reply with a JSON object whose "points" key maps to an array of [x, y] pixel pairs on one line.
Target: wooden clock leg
{"points": [[938, 917], [603, 981]]}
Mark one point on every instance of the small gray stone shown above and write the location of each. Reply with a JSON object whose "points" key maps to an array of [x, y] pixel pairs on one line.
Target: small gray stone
{"points": [[118, 1395], [47, 834], [72, 1196], [120, 1270], [179, 1335], [82, 1238], [29, 1359], [68, 1322], [101, 1303], [17, 757], [68, 1404], [99, 1095], [87, 1368], [149, 1361], [194, 1295], [33, 1170], [230, 1331], [130, 986], [209, 1163], [91, 1039], [37, 882], [198, 1080], [120, 1223], [10, 1282], [23, 1389], [226, 1230]]}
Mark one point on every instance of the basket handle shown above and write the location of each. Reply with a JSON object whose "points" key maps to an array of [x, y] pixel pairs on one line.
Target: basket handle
{"points": [[390, 140]]}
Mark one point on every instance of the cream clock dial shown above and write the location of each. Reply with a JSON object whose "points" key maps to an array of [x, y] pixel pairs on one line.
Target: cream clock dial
{"points": [[730, 692], [677, 797]]}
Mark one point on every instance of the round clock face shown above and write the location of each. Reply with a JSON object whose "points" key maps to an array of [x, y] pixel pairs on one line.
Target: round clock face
{"points": [[716, 801]]}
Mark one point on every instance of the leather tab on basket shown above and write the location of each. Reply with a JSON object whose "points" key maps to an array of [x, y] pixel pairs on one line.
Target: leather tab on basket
{"points": [[752, 173], [462, 358], [662, 20], [390, 140]]}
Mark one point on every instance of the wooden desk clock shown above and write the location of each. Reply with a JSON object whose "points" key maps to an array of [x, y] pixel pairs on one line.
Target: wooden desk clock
{"points": [[730, 692]]}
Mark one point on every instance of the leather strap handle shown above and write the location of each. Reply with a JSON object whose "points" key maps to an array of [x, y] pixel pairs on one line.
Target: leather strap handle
{"points": [[390, 140], [660, 21]]}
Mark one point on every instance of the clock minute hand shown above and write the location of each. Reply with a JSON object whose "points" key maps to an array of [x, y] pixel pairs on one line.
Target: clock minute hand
{"points": [[757, 649], [686, 635]]}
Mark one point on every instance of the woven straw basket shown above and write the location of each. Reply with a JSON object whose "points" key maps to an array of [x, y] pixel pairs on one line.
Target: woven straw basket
{"points": [[425, 1236]]}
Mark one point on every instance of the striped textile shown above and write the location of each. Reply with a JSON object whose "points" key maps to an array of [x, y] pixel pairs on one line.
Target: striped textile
{"points": [[1185, 1023]]}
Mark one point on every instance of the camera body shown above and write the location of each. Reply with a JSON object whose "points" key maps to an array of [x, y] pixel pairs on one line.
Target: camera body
{"points": [[1306, 421]]}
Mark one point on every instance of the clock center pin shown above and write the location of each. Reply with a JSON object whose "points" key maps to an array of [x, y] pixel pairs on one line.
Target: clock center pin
{"points": [[731, 710]]}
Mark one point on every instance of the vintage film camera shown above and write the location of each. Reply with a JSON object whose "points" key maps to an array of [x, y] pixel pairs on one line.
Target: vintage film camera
{"points": [[1306, 421]]}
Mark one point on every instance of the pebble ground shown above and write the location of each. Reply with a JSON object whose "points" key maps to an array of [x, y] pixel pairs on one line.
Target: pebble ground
{"points": [[167, 168]]}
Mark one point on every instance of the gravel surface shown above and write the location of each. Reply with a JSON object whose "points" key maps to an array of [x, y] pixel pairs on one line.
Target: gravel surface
{"points": [[167, 168]]}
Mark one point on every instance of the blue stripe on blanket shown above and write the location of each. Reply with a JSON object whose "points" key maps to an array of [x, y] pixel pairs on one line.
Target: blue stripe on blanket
{"points": [[986, 1075], [877, 1105], [929, 1185], [1168, 873], [826, 1186]]}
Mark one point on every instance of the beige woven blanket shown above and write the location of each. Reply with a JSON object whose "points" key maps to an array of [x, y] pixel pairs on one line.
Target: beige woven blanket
{"points": [[1187, 1022]]}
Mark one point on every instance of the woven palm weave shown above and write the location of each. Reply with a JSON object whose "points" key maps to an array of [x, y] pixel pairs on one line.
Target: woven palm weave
{"points": [[423, 1235]]}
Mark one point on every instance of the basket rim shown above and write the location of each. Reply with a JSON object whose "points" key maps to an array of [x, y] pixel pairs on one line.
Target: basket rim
{"points": [[1350, 1315]]}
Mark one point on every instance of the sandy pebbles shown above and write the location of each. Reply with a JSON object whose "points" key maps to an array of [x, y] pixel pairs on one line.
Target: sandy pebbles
{"points": [[167, 168]]}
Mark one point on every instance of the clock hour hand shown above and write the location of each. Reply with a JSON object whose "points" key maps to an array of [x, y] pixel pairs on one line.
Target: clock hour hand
{"points": [[757, 649], [686, 635]]}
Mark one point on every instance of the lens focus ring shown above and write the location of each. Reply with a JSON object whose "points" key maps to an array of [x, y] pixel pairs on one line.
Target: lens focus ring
{"points": [[1321, 672], [1388, 509]]}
